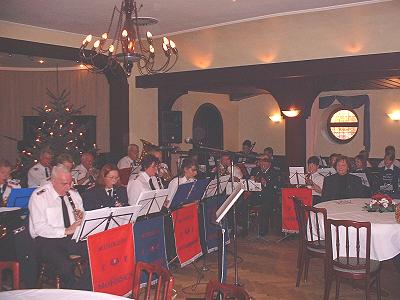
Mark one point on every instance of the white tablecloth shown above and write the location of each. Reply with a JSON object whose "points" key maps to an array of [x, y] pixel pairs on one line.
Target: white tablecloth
{"points": [[55, 294], [385, 232]]}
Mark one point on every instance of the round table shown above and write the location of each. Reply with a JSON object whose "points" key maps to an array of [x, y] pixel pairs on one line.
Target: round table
{"points": [[385, 232], [58, 294]]}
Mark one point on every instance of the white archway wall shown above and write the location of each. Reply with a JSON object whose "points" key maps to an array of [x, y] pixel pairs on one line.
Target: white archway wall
{"points": [[255, 125], [190, 103], [383, 130]]}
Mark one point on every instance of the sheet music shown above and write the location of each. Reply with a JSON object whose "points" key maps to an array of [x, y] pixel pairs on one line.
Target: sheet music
{"points": [[364, 179], [249, 167], [211, 189], [251, 187], [228, 203], [327, 171], [96, 221], [124, 215], [96, 218], [6, 209], [151, 201], [297, 176]]}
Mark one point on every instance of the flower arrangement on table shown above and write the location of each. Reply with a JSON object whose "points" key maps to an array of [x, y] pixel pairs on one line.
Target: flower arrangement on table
{"points": [[380, 203]]}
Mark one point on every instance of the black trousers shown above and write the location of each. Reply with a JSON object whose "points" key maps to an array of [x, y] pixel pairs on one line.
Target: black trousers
{"points": [[56, 252], [266, 200]]}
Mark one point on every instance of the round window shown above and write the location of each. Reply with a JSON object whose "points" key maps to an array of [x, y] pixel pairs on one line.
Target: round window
{"points": [[343, 125]]}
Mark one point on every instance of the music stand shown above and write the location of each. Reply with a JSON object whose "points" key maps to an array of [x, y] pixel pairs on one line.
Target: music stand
{"points": [[197, 191], [182, 193], [99, 220], [327, 171], [220, 214], [297, 176], [212, 188], [151, 201], [19, 197], [247, 184]]}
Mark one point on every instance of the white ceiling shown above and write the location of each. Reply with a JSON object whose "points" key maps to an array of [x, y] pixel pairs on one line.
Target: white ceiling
{"points": [[93, 16]]}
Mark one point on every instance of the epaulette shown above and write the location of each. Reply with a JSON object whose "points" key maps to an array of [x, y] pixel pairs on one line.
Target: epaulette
{"points": [[40, 192], [90, 187], [13, 181]]}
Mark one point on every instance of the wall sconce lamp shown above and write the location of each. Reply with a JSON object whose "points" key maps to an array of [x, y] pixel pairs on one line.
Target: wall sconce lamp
{"points": [[291, 113], [395, 116], [275, 118]]}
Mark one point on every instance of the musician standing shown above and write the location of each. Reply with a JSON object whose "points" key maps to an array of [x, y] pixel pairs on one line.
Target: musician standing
{"points": [[39, 174], [267, 198], [6, 184], [145, 181], [130, 160], [224, 168], [247, 149]]}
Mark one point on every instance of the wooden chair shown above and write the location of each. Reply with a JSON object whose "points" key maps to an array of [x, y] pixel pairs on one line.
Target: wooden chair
{"points": [[343, 265], [311, 239], [163, 287], [14, 267], [228, 291]]}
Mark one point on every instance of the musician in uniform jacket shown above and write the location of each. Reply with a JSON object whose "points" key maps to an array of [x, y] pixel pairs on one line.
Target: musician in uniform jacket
{"points": [[39, 173], [107, 192], [389, 176], [267, 198], [342, 185]]}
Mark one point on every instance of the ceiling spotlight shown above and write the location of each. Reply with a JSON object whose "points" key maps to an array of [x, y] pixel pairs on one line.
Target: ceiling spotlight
{"points": [[41, 61]]}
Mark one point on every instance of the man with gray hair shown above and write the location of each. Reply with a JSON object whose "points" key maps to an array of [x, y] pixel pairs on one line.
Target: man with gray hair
{"points": [[55, 212], [130, 160]]}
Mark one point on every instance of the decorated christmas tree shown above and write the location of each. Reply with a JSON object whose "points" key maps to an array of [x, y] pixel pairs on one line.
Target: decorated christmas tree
{"points": [[58, 131]]}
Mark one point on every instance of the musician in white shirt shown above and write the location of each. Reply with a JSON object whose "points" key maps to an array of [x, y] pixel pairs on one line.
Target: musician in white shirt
{"points": [[6, 184], [85, 173], [129, 160], [40, 172], [187, 174], [55, 212], [145, 181], [314, 180]]}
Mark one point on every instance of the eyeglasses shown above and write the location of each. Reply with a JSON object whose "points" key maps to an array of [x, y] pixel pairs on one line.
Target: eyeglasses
{"points": [[112, 177]]}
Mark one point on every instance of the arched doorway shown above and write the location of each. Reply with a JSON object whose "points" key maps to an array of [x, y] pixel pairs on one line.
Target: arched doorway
{"points": [[208, 128]]}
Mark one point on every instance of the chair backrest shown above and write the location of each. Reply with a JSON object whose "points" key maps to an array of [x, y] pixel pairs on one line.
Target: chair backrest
{"points": [[345, 240], [14, 267], [152, 272], [215, 288], [298, 208], [314, 222]]}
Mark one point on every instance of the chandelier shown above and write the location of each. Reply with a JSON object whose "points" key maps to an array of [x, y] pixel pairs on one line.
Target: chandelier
{"points": [[127, 47]]}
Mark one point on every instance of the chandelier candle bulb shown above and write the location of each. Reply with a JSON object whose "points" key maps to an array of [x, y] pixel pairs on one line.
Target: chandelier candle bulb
{"points": [[104, 36], [165, 41], [96, 44], [124, 33]]}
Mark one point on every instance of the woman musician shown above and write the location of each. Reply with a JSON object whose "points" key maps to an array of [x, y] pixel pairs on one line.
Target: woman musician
{"points": [[314, 180], [186, 174]]}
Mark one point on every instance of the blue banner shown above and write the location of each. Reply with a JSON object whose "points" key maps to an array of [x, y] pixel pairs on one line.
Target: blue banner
{"points": [[210, 231], [150, 241]]}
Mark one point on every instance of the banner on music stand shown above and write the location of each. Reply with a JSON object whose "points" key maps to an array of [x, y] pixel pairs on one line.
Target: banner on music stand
{"points": [[289, 220], [186, 232], [210, 232], [112, 260], [150, 241]]}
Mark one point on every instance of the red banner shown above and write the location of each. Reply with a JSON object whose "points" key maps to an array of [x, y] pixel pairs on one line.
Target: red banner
{"points": [[112, 260], [186, 232], [289, 220]]}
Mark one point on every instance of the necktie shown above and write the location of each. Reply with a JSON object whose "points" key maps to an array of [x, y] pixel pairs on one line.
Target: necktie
{"points": [[109, 192], [151, 184], [67, 223], [47, 172]]}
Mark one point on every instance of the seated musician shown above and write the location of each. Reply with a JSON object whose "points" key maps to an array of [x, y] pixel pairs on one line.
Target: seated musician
{"points": [[163, 174], [202, 170], [130, 160], [186, 174], [270, 153], [55, 212], [342, 185], [6, 184], [247, 149], [107, 192], [39, 173], [145, 181], [389, 175], [388, 150], [332, 159], [66, 160], [267, 198], [85, 172], [314, 180], [225, 166]]}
